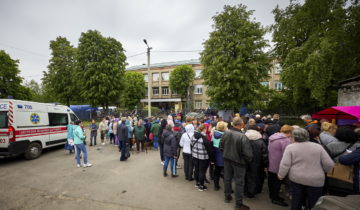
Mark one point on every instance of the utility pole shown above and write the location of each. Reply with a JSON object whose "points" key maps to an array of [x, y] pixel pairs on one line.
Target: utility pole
{"points": [[149, 77]]}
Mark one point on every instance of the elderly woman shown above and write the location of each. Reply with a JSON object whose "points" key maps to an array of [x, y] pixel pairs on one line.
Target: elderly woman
{"points": [[328, 133], [306, 164]]}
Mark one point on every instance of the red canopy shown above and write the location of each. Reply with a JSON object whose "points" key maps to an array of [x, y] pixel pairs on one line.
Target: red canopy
{"points": [[339, 112]]}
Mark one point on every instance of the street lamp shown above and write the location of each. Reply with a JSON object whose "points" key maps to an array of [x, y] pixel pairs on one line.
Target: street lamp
{"points": [[149, 77]]}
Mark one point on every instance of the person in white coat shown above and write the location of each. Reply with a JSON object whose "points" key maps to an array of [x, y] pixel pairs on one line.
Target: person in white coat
{"points": [[185, 143]]}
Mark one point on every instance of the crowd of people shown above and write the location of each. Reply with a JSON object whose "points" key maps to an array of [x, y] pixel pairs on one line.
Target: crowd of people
{"points": [[245, 152]]}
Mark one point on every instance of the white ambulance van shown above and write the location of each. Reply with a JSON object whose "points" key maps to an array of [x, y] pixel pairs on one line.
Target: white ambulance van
{"points": [[29, 127]]}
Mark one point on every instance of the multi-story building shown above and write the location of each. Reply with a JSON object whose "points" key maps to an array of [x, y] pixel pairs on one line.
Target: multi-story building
{"points": [[163, 97]]}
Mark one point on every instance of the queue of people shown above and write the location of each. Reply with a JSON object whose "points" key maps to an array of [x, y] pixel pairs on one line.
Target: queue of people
{"points": [[244, 151]]}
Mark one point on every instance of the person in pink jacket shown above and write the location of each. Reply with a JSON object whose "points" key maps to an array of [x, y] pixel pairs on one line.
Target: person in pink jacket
{"points": [[277, 144]]}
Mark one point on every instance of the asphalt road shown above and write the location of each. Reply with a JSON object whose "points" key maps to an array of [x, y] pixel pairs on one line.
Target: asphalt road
{"points": [[54, 182]]}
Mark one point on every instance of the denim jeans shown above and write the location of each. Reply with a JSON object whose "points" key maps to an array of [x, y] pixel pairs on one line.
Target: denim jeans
{"points": [[162, 152], [155, 142], [91, 139], [172, 164], [122, 147], [233, 171], [81, 148]]}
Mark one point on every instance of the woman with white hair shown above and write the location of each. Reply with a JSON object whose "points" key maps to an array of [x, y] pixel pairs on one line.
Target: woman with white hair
{"points": [[306, 164]]}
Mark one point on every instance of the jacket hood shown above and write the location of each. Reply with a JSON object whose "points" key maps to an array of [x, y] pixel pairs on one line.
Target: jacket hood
{"points": [[218, 134], [253, 134], [166, 133], [197, 135], [189, 128], [278, 136]]}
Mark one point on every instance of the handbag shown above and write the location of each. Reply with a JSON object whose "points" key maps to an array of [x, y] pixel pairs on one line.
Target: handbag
{"points": [[151, 136], [342, 172]]}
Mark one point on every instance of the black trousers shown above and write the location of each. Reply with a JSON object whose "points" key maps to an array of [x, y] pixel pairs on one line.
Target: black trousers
{"points": [[188, 166], [112, 138], [274, 186], [200, 170], [217, 175], [302, 192], [236, 172]]}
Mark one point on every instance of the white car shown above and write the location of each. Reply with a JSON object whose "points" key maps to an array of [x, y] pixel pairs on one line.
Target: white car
{"points": [[28, 127]]}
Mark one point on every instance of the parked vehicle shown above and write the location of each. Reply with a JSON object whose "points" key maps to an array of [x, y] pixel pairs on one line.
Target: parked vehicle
{"points": [[29, 127]]}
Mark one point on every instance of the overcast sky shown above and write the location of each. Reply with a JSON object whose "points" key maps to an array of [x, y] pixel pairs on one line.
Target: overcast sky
{"points": [[27, 26]]}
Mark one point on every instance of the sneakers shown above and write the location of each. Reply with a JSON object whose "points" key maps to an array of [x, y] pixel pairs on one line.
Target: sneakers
{"points": [[174, 175], [103, 144], [87, 165], [78, 165], [202, 188], [178, 166], [197, 185], [162, 162]]}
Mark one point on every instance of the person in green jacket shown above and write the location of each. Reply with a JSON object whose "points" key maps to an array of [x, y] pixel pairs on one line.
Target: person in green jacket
{"points": [[155, 128], [79, 144], [139, 132]]}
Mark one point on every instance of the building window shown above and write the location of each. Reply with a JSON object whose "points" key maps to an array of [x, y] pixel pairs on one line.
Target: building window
{"points": [[165, 91], [198, 73], [266, 84], [198, 104], [277, 68], [146, 78], [155, 91], [146, 93], [165, 76], [155, 77], [278, 85], [198, 89]]}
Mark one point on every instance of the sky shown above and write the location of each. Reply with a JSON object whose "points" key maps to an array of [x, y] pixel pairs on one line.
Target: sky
{"points": [[28, 26]]}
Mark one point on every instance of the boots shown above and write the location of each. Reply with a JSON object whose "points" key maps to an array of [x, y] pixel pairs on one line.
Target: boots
{"points": [[165, 173]]}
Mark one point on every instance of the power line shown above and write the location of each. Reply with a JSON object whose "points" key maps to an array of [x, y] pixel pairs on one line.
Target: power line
{"points": [[135, 55], [176, 51], [24, 50]]}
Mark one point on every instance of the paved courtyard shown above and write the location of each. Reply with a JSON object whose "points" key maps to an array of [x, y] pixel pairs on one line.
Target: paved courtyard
{"points": [[54, 182]]}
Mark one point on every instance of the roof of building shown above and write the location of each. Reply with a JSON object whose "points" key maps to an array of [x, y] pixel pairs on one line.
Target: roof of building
{"points": [[158, 65], [357, 78]]}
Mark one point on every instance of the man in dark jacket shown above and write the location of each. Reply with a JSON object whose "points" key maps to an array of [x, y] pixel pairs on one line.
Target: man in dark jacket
{"points": [[237, 153], [353, 158], [122, 133], [170, 150]]}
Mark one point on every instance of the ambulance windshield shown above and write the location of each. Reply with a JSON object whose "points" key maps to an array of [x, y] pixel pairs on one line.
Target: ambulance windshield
{"points": [[3, 119]]}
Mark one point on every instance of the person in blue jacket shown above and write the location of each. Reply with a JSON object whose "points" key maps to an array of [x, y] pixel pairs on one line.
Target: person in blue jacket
{"points": [[353, 158], [70, 138]]}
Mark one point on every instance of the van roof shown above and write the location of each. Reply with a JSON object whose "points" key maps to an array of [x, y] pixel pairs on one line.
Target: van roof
{"points": [[22, 101]]}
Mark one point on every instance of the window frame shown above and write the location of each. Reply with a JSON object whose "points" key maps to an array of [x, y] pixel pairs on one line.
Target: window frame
{"points": [[153, 88], [64, 115], [165, 88], [158, 77], [198, 92], [168, 76]]}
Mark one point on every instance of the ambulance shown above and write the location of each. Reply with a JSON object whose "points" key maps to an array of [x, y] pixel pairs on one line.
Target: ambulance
{"points": [[29, 127]]}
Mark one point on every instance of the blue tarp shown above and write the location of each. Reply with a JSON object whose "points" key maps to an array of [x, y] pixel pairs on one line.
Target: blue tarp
{"points": [[84, 111]]}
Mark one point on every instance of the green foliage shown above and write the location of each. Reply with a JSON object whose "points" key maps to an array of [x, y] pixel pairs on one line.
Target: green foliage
{"points": [[60, 79], [318, 45], [35, 90], [234, 60], [181, 79], [10, 81], [134, 89], [101, 66]]}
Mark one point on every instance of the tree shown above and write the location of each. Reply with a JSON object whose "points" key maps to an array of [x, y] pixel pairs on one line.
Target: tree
{"points": [[234, 60], [61, 75], [318, 45], [10, 81], [134, 89], [181, 79], [36, 90], [101, 66]]}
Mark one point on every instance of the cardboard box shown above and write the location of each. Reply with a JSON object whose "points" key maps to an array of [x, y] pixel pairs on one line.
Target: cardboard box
{"points": [[342, 172]]}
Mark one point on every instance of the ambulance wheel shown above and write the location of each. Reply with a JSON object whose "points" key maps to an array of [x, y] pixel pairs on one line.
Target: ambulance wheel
{"points": [[33, 151]]}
